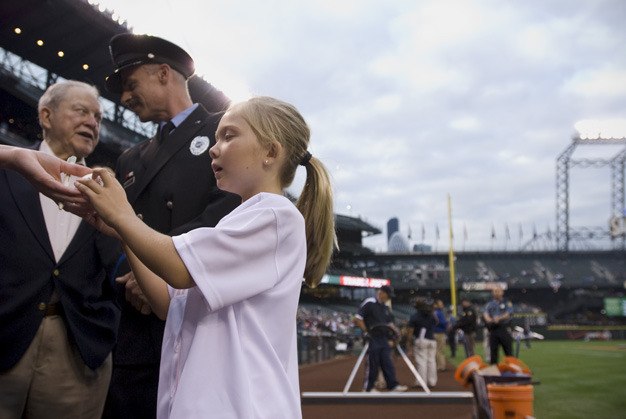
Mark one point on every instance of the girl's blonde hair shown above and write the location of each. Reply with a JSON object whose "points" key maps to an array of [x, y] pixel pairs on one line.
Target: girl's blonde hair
{"points": [[272, 121]]}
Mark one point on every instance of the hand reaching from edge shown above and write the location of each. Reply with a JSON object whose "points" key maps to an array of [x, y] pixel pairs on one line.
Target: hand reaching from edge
{"points": [[44, 172]]}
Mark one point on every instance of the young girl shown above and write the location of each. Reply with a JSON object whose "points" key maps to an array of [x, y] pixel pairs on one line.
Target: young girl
{"points": [[230, 293]]}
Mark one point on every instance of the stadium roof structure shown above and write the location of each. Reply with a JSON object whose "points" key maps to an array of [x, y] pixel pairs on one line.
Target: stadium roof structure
{"points": [[355, 224], [68, 37]]}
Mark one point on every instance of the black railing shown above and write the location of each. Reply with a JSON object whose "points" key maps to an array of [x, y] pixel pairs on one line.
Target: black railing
{"points": [[321, 346]]}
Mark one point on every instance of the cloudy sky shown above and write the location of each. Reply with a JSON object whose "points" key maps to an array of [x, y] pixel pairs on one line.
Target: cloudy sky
{"points": [[411, 101]]}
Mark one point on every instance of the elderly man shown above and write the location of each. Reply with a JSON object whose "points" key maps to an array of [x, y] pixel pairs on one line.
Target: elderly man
{"points": [[497, 316], [59, 318], [170, 184]]}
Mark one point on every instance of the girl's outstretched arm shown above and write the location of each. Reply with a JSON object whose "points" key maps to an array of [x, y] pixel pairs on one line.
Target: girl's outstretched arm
{"points": [[152, 286]]}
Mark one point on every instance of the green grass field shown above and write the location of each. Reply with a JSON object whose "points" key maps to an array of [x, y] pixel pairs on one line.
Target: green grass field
{"points": [[577, 379]]}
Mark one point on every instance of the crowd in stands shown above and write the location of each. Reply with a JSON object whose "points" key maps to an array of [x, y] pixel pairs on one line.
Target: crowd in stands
{"points": [[516, 271], [317, 320]]}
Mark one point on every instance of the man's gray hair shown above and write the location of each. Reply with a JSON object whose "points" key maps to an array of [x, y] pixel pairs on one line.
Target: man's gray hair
{"points": [[58, 91]]}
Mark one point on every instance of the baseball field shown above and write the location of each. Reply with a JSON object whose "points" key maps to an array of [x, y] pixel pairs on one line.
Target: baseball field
{"points": [[573, 380], [577, 379]]}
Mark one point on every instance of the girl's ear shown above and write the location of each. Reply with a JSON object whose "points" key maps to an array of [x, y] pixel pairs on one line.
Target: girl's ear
{"points": [[273, 151]]}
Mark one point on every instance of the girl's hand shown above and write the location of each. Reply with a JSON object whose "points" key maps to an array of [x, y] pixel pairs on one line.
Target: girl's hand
{"points": [[108, 198], [94, 219]]}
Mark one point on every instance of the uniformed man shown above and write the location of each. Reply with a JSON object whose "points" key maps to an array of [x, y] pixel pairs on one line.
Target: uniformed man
{"points": [[169, 181], [376, 320], [497, 316], [467, 323]]}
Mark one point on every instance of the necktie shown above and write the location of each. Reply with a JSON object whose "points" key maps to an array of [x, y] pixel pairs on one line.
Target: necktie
{"points": [[165, 131], [153, 147]]}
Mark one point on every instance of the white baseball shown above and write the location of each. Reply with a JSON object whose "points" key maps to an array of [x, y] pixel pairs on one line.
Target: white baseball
{"points": [[90, 176]]}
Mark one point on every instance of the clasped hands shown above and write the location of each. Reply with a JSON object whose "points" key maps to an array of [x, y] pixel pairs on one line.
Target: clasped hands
{"points": [[107, 202]]}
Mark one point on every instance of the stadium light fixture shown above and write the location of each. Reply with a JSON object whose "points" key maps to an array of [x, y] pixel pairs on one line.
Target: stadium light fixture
{"points": [[17, 30], [85, 67], [40, 42], [61, 54]]}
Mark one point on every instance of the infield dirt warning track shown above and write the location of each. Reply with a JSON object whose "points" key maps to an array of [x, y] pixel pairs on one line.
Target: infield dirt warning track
{"points": [[332, 376]]}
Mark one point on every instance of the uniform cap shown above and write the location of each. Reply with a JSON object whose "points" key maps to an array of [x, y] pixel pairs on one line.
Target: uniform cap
{"points": [[129, 50]]}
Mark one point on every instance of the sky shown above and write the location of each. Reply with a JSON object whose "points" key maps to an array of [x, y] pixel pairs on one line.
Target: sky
{"points": [[427, 110]]}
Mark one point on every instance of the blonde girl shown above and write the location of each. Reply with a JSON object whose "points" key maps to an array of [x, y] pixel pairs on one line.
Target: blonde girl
{"points": [[230, 293]]}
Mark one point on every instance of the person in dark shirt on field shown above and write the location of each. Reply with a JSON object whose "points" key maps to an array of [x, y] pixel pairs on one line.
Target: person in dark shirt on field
{"points": [[467, 323], [376, 321]]}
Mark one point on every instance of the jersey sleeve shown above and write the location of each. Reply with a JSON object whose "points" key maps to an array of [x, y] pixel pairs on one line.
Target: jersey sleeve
{"points": [[235, 260], [362, 311]]}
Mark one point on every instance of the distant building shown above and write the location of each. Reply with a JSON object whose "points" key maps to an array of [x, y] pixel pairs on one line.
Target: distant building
{"points": [[398, 244], [422, 248], [393, 226]]}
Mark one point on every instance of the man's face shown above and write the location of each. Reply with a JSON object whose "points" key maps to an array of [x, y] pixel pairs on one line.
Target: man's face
{"points": [[498, 293], [73, 126], [142, 92], [383, 297]]}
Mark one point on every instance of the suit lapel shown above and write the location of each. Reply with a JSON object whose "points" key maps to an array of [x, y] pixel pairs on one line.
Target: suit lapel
{"points": [[83, 233], [27, 200], [179, 138]]}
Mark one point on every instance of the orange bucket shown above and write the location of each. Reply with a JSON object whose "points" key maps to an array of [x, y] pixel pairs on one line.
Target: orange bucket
{"points": [[511, 401], [465, 369], [514, 365]]}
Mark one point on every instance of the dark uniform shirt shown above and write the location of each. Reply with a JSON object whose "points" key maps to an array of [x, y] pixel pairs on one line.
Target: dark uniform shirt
{"points": [[496, 308], [376, 316], [467, 321], [425, 320]]}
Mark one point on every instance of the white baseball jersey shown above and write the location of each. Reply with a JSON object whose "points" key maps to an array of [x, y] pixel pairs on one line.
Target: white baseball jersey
{"points": [[229, 348]]}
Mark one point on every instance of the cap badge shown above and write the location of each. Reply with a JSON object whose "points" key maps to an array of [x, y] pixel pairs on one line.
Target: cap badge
{"points": [[150, 55], [199, 145]]}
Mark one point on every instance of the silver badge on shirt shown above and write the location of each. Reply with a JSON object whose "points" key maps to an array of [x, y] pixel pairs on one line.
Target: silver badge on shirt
{"points": [[199, 145]]}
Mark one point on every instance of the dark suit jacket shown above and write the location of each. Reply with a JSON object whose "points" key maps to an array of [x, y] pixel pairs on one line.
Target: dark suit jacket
{"points": [[173, 193], [28, 273]]}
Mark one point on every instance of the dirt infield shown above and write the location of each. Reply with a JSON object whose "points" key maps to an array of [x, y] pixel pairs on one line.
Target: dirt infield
{"points": [[332, 376]]}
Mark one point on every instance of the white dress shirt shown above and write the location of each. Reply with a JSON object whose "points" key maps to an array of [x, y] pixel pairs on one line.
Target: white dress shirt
{"points": [[61, 225]]}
